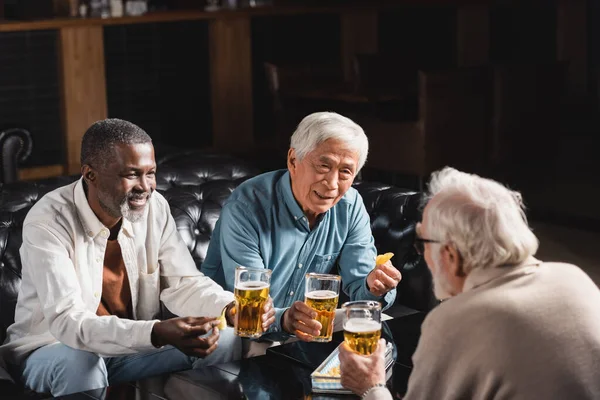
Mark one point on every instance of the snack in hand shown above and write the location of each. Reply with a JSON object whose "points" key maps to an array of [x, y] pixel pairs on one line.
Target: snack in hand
{"points": [[222, 322], [223, 319], [383, 258]]}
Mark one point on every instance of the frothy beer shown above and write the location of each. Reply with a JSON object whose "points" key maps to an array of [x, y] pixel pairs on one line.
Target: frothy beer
{"points": [[250, 299], [362, 335], [324, 303]]}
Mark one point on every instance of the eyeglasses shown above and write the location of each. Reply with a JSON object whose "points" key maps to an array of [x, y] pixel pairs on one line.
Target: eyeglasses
{"points": [[420, 244]]}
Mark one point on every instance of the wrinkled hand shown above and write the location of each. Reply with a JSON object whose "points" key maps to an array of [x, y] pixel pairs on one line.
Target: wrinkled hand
{"points": [[183, 333], [299, 319], [383, 278], [359, 372]]}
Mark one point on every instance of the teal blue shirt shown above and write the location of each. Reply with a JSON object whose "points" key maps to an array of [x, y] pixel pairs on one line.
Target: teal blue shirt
{"points": [[262, 226]]}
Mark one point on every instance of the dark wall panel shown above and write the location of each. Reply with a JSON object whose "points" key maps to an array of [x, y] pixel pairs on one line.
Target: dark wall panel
{"points": [[299, 39], [523, 33], [593, 26], [157, 76], [423, 36], [29, 91]]}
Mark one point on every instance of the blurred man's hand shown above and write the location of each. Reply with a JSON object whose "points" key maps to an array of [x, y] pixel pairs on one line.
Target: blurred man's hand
{"points": [[184, 334], [359, 372]]}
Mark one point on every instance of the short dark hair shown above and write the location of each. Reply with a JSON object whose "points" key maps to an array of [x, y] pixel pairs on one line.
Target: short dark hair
{"points": [[100, 138]]}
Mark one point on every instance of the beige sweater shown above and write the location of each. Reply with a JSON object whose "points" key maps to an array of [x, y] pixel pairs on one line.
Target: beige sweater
{"points": [[525, 332]]}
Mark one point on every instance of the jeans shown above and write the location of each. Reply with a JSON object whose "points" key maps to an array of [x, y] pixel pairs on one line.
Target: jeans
{"points": [[61, 370]]}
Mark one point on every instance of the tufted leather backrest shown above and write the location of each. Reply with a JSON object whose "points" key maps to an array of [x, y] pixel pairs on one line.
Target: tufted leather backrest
{"points": [[196, 186], [15, 148], [394, 213]]}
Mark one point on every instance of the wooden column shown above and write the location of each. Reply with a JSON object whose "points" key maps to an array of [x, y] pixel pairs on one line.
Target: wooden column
{"points": [[359, 35], [571, 42], [473, 35], [83, 86], [231, 83]]}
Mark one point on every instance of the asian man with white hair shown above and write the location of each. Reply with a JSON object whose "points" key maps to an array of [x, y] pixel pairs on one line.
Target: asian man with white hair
{"points": [[306, 218], [511, 327]]}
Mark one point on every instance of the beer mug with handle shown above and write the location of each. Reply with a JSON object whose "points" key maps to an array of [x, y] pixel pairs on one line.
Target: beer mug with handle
{"points": [[251, 293], [362, 325], [322, 293]]}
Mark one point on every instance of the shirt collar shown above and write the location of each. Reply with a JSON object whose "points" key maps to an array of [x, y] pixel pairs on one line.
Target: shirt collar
{"points": [[481, 276], [285, 186], [91, 224], [127, 226]]}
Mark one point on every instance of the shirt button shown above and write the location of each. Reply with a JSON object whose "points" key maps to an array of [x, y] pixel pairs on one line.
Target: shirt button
{"points": [[90, 233], [292, 293], [295, 217], [104, 233], [96, 294], [98, 259], [299, 265], [328, 258]]}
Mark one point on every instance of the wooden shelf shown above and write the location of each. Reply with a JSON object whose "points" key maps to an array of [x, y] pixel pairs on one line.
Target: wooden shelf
{"points": [[173, 16], [192, 15]]}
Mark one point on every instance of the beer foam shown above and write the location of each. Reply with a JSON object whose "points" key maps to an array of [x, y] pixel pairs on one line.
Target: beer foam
{"points": [[251, 285], [321, 294], [360, 325]]}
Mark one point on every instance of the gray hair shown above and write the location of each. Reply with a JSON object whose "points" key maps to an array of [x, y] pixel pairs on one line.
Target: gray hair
{"points": [[99, 140], [483, 219], [318, 127]]}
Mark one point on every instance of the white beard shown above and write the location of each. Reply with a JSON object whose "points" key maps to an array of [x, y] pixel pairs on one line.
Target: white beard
{"points": [[131, 215]]}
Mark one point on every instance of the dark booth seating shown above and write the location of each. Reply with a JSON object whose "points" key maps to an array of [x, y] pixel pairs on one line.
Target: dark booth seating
{"points": [[196, 185]]}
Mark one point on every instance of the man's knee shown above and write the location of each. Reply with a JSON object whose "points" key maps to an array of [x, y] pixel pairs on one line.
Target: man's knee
{"points": [[62, 370], [81, 363]]}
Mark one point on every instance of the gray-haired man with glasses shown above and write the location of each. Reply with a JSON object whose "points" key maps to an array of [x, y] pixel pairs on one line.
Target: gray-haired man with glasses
{"points": [[512, 327]]}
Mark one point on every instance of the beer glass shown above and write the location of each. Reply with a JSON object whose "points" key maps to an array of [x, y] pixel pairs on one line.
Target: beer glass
{"points": [[362, 325], [251, 293], [322, 293]]}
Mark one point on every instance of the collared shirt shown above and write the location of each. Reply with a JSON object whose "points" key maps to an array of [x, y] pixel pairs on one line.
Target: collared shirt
{"points": [[482, 276], [62, 257], [263, 226]]}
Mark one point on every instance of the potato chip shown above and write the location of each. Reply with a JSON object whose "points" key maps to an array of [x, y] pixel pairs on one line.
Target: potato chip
{"points": [[223, 318], [383, 258], [335, 371], [222, 322]]}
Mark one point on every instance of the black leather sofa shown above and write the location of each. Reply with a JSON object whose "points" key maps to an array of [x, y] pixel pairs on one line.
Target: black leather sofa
{"points": [[196, 185]]}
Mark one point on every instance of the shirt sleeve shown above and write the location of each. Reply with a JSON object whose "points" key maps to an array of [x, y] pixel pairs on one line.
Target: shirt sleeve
{"points": [[186, 290], [239, 241], [47, 263], [358, 255]]}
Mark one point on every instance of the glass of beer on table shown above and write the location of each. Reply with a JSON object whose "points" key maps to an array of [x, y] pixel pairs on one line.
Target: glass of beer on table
{"points": [[251, 293], [322, 293], [362, 325]]}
